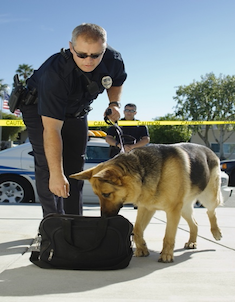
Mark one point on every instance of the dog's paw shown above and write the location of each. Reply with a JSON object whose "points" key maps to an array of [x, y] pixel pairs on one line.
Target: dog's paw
{"points": [[216, 233], [190, 245], [166, 258], [141, 252]]}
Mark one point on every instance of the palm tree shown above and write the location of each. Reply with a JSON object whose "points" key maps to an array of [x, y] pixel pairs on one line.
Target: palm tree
{"points": [[24, 72]]}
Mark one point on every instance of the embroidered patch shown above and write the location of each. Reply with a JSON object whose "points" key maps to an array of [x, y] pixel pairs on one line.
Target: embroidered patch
{"points": [[107, 82]]}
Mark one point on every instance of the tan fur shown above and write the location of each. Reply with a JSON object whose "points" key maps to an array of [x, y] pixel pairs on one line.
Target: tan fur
{"points": [[170, 190]]}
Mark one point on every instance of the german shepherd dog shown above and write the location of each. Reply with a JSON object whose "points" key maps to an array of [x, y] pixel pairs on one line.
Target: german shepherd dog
{"points": [[160, 177]]}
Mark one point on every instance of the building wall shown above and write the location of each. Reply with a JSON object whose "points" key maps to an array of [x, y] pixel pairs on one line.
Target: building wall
{"points": [[228, 145]]}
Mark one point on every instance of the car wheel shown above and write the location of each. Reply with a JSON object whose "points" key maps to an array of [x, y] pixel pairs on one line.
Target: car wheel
{"points": [[15, 189]]}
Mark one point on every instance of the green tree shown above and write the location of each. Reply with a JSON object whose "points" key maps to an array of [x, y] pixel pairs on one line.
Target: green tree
{"points": [[8, 133], [211, 99], [169, 134], [24, 71]]}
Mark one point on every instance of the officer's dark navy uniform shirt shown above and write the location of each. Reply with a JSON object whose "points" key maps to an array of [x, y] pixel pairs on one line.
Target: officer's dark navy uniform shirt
{"points": [[62, 86]]}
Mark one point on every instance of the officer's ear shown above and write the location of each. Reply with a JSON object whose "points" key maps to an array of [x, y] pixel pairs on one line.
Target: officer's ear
{"points": [[71, 46]]}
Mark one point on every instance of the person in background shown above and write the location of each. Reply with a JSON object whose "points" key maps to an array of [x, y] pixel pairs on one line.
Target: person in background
{"points": [[133, 136], [66, 84]]}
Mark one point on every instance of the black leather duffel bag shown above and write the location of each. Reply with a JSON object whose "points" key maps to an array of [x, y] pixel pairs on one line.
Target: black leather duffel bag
{"points": [[84, 243]]}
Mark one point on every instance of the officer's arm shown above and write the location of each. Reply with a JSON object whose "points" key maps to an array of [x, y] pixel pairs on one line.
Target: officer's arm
{"points": [[114, 95], [141, 143], [144, 141], [110, 140], [58, 184]]}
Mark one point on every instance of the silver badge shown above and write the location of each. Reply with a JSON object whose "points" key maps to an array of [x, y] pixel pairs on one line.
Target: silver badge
{"points": [[107, 82]]}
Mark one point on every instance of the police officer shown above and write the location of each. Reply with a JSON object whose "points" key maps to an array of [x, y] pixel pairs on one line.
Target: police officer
{"points": [[132, 136], [66, 85]]}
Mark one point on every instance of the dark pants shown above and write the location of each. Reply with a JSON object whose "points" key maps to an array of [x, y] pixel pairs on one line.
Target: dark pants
{"points": [[74, 135]]}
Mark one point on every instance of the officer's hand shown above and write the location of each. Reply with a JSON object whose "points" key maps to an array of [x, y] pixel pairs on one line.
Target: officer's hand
{"points": [[128, 148], [59, 185], [114, 113]]}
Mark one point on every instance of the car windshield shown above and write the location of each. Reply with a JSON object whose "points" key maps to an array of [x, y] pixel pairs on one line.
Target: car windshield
{"points": [[95, 154]]}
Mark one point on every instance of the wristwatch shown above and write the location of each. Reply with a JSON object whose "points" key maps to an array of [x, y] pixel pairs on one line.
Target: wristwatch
{"points": [[116, 104]]}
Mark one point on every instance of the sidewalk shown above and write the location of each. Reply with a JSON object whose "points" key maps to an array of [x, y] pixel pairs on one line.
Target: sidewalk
{"points": [[205, 274]]}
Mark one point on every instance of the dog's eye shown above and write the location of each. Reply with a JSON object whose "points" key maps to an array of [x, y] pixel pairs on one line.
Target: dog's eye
{"points": [[106, 195]]}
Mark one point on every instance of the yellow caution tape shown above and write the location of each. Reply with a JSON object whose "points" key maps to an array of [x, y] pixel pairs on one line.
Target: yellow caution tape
{"points": [[12, 123], [150, 123], [20, 123]]}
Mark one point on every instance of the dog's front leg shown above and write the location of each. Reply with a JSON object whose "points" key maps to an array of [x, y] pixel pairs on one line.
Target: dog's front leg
{"points": [[143, 218], [173, 218]]}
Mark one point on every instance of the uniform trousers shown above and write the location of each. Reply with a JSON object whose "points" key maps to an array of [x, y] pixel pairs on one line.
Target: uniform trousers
{"points": [[74, 136]]}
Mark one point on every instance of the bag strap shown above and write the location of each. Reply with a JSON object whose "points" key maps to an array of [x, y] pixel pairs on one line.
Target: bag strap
{"points": [[100, 232]]}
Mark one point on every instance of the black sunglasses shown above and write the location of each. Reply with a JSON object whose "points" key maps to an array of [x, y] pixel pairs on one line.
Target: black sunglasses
{"points": [[129, 110], [84, 55]]}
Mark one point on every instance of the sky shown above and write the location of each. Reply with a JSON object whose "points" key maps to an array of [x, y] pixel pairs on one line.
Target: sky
{"points": [[164, 43]]}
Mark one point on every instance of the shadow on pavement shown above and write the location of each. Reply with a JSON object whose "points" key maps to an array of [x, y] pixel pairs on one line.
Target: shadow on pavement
{"points": [[33, 281], [15, 247]]}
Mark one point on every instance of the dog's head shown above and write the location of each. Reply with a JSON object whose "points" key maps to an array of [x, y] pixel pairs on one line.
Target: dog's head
{"points": [[112, 185]]}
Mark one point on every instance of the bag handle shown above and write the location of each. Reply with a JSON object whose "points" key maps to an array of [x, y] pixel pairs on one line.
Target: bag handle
{"points": [[101, 231]]}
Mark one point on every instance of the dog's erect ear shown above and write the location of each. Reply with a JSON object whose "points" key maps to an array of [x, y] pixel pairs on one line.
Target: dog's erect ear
{"points": [[111, 175], [87, 174]]}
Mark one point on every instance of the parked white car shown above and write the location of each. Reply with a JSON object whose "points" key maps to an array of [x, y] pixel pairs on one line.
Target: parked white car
{"points": [[226, 191], [17, 177]]}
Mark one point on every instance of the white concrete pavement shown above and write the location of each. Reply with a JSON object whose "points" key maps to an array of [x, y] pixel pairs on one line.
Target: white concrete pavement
{"points": [[204, 274]]}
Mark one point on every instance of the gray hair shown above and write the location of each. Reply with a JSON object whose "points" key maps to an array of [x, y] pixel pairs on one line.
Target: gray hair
{"points": [[89, 31]]}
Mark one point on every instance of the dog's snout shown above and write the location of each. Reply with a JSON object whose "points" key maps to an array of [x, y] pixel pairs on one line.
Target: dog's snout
{"points": [[107, 212]]}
